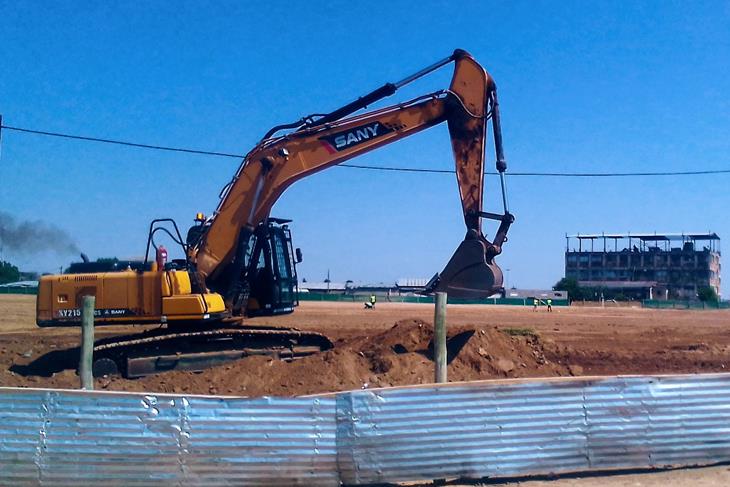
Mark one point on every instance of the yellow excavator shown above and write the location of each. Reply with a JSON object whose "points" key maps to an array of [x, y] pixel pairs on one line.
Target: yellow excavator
{"points": [[240, 261]]}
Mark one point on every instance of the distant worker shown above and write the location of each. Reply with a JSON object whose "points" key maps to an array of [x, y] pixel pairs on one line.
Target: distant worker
{"points": [[550, 305], [370, 304], [535, 302]]}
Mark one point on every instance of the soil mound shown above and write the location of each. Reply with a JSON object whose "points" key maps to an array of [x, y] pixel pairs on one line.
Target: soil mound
{"points": [[401, 355], [493, 353]]}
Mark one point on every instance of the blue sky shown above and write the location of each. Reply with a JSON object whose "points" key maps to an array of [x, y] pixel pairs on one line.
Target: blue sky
{"points": [[611, 86]]}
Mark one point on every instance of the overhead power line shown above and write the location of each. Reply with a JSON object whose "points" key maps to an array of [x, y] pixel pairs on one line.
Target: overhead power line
{"points": [[549, 174], [120, 142], [367, 167]]}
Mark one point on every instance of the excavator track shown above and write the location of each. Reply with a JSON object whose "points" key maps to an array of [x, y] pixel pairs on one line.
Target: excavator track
{"points": [[162, 349]]}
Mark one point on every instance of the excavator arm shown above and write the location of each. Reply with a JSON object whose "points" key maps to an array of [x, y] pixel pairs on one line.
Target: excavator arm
{"points": [[318, 143]]}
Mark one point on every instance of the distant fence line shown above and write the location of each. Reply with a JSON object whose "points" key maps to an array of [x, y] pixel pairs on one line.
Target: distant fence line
{"points": [[460, 430], [682, 304], [19, 290], [396, 298], [360, 296]]}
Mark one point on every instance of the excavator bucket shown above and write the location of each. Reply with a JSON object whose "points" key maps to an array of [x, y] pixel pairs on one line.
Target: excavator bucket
{"points": [[471, 273]]}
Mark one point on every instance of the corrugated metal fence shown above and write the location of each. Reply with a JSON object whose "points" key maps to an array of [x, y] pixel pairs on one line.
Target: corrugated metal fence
{"points": [[477, 429]]}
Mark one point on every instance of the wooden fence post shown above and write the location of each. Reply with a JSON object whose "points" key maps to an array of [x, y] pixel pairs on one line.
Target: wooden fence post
{"points": [[439, 337], [87, 344]]}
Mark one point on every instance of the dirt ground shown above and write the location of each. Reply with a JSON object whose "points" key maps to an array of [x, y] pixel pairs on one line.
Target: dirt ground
{"points": [[716, 476], [390, 346]]}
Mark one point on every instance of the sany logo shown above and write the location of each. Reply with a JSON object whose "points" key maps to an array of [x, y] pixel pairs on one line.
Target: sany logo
{"points": [[344, 140]]}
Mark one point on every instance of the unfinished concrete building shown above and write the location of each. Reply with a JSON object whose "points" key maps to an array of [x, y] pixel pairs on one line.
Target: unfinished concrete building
{"points": [[645, 266]]}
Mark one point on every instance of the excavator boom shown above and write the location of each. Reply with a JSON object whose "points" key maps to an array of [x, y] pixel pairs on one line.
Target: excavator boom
{"points": [[316, 144]]}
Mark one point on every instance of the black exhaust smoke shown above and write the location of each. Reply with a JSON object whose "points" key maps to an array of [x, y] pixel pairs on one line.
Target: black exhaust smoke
{"points": [[31, 237]]}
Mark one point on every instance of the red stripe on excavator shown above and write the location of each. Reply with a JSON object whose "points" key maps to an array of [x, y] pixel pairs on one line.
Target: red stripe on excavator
{"points": [[328, 146]]}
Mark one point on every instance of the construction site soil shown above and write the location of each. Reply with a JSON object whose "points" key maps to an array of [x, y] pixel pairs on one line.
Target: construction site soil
{"points": [[391, 345]]}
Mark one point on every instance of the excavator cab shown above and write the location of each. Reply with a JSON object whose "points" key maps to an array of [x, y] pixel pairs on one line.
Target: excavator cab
{"points": [[261, 280], [272, 271]]}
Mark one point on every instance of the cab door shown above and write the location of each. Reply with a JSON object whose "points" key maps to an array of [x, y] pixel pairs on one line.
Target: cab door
{"points": [[284, 270]]}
